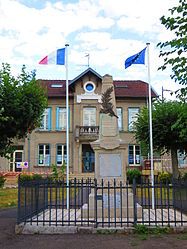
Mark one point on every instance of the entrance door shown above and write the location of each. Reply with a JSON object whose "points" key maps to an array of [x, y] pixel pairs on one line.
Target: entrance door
{"points": [[16, 157], [88, 158]]}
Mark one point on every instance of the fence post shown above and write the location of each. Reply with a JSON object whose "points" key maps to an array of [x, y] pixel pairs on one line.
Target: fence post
{"points": [[19, 201], [95, 190], [134, 203], [36, 190]]}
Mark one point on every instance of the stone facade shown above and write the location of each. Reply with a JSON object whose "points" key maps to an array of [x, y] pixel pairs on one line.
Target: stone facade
{"points": [[43, 147]]}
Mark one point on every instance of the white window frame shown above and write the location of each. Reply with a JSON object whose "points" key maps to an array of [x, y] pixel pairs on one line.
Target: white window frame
{"points": [[89, 119], [182, 158], [62, 156], [44, 159], [119, 111], [62, 118], [46, 119], [136, 157], [132, 118]]}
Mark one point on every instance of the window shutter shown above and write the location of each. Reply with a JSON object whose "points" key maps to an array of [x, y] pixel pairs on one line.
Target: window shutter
{"points": [[57, 118], [49, 118]]}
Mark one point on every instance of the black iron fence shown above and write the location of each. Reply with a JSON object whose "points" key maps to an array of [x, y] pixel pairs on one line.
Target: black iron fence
{"points": [[101, 203]]}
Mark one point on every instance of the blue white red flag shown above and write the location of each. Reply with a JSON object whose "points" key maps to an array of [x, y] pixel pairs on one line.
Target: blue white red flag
{"points": [[57, 57]]}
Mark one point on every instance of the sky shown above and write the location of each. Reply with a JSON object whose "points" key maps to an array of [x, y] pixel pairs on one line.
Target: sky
{"points": [[109, 31]]}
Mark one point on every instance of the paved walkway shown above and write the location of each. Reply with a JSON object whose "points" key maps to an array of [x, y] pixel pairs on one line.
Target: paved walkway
{"points": [[74, 217]]}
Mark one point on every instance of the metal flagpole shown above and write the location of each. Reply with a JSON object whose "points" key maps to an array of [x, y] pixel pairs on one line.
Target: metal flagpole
{"points": [[150, 128], [67, 126]]}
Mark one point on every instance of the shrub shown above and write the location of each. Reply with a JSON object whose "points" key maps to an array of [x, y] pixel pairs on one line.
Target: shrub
{"points": [[2, 181], [54, 171], [165, 177], [26, 177], [133, 174], [184, 177], [36, 177]]}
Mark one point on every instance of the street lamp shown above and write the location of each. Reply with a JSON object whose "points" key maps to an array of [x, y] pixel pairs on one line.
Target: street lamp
{"points": [[165, 90]]}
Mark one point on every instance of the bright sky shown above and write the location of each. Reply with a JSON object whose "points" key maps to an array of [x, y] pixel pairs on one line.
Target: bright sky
{"points": [[110, 31]]}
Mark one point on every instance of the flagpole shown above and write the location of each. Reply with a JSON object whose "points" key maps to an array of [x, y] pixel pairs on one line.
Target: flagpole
{"points": [[67, 126], [150, 128]]}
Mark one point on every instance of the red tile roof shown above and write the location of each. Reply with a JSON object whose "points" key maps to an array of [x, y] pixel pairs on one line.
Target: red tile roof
{"points": [[132, 88], [123, 88]]}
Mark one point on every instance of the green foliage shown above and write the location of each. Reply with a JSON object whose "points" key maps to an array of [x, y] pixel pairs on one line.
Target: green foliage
{"points": [[58, 173], [22, 103], [54, 171], [37, 177], [145, 230], [2, 181], [169, 126], [165, 177], [26, 177], [184, 177], [141, 229], [133, 174], [63, 168], [174, 51]]}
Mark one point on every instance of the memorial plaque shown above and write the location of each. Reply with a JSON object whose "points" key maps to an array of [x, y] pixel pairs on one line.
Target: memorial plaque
{"points": [[110, 165], [108, 125], [112, 201]]}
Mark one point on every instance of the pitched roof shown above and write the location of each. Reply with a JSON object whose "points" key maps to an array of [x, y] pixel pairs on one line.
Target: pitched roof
{"points": [[123, 88], [87, 71], [132, 88]]}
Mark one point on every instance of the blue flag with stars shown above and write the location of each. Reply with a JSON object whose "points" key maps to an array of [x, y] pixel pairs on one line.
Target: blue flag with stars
{"points": [[138, 58]]}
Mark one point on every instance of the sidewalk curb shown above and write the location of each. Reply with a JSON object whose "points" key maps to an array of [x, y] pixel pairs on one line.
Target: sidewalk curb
{"points": [[33, 229]]}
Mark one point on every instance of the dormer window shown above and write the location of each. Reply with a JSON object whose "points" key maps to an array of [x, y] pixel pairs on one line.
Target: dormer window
{"points": [[89, 87], [56, 85]]}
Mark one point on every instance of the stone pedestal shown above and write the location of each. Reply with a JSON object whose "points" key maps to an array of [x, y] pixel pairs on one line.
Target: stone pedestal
{"points": [[118, 205], [111, 152]]}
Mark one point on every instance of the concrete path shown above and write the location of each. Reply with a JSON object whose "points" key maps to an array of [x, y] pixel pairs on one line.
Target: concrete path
{"points": [[73, 218]]}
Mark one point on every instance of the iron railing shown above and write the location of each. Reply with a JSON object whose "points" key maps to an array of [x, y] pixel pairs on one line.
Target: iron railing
{"points": [[82, 132], [101, 203]]}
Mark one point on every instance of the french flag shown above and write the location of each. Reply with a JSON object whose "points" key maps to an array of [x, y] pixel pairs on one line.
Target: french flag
{"points": [[57, 57]]}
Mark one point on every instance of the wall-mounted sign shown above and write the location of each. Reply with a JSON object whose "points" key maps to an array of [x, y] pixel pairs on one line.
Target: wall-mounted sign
{"points": [[22, 165]]}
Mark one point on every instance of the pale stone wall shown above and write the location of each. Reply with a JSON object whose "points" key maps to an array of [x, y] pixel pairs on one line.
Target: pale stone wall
{"points": [[54, 137]]}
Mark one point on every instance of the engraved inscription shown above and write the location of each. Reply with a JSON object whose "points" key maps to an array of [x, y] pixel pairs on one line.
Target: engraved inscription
{"points": [[110, 165]]}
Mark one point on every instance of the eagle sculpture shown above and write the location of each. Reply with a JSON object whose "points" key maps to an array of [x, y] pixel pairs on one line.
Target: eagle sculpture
{"points": [[106, 105]]}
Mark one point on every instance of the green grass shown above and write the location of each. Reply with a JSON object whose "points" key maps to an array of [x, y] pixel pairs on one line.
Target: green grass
{"points": [[8, 197], [147, 193], [182, 236]]}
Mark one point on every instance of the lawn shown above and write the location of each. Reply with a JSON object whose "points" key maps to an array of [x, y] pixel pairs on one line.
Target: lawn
{"points": [[8, 197]]}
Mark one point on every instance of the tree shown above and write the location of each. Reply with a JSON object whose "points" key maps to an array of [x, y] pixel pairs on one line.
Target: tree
{"points": [[169, 120], [22, 103], [174, 52]]}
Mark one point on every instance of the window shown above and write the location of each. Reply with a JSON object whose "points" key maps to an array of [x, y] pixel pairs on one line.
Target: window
{"points": [[182, 158], [119, 114], [134, 155], [61, 118], [89, 87], [61, 154], [44, 155], [132, 115], [89, 116], [46, 120]]}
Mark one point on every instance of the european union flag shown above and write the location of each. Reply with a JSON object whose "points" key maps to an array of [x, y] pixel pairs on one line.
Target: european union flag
{"points": [[138, 58]]}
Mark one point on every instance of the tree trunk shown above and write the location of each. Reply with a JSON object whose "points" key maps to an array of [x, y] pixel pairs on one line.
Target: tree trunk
{"points": [[174, 162]]}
